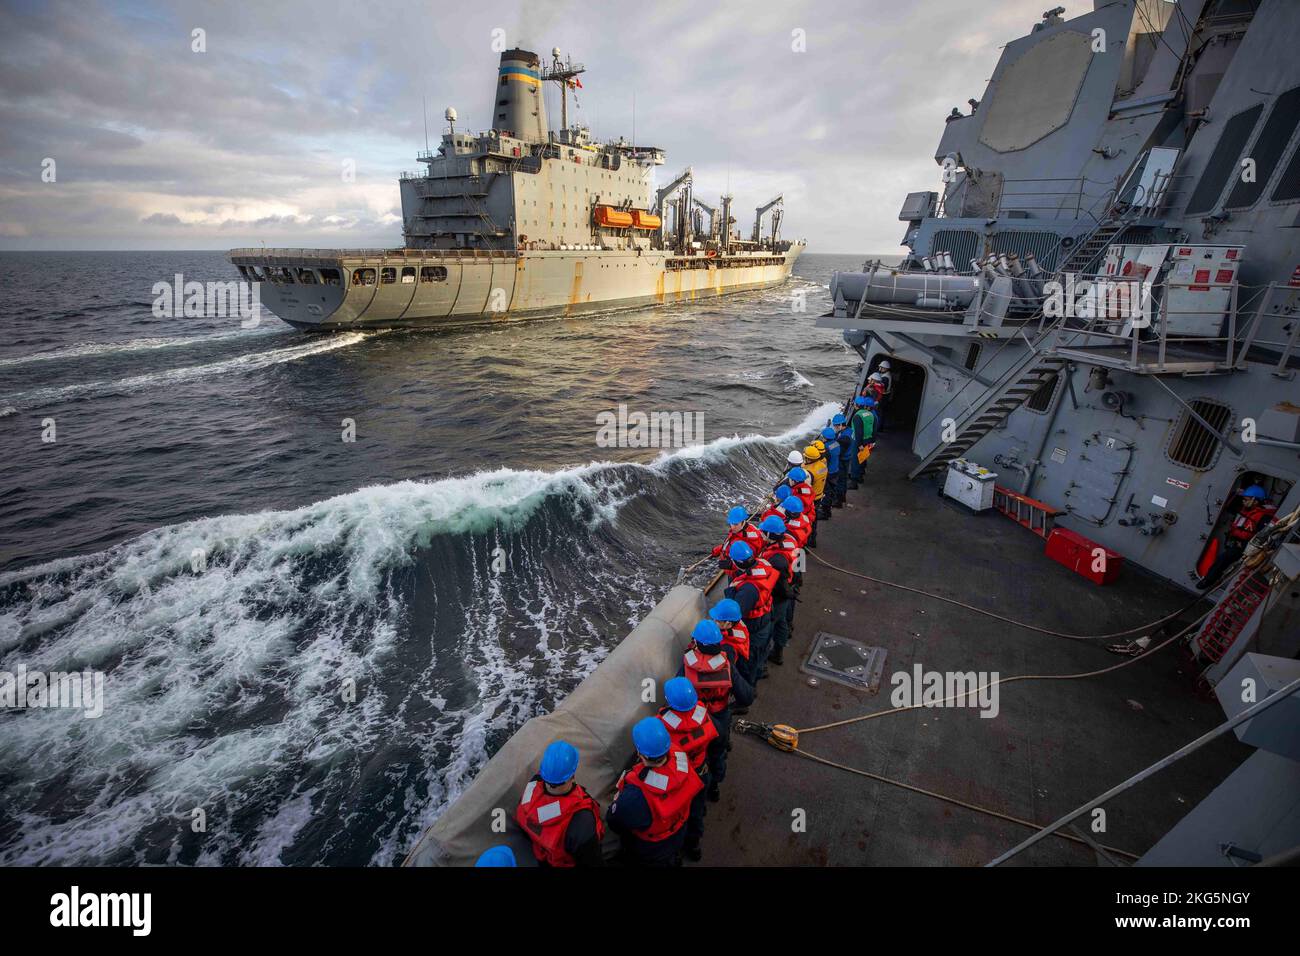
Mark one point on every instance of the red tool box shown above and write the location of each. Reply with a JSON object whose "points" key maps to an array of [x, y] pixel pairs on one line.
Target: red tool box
{"points": [[1081, 556]]}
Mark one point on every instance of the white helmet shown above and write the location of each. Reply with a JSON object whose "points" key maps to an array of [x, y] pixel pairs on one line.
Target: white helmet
{"points": [[875, 377], [795, 458], [884, 365]]}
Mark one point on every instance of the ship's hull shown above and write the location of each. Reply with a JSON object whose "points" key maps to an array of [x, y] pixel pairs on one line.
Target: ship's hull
{"points": [[325, 290]]}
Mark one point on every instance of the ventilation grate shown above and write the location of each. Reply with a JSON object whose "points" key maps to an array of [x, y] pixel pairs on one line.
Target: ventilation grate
{"points": [[1193, 445]]}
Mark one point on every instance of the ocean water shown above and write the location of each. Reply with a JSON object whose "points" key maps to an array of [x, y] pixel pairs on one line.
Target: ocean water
{"points": [[367, 620]]}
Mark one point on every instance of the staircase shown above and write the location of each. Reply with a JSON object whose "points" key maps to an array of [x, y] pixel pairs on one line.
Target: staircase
{"points": [[1084, 258], [1233, 613], [1007, 394]]}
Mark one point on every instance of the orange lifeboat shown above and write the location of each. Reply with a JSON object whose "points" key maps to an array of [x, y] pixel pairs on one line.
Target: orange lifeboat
{"points": [[612, 218], [645, 220]]}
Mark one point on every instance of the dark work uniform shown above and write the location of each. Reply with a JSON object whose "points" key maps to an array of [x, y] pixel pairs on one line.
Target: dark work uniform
{"points": [[742, 692]]}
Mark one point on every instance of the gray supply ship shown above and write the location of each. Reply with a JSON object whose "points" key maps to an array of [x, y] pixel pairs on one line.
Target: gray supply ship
{"points": [[1095, 334], [526, 221]]}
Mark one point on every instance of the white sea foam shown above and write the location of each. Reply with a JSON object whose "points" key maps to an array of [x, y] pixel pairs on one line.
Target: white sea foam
{"points": [[289, 604]]}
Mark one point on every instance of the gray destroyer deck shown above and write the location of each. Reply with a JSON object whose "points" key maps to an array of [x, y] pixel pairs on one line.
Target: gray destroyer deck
{"points": [[1053, 745]]}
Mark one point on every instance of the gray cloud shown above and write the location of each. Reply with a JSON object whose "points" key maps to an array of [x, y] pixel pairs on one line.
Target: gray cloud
{"points": [[245, 143]]}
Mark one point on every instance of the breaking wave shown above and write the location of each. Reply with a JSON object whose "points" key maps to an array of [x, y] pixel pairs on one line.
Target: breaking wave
{"points": [[320, 682]]}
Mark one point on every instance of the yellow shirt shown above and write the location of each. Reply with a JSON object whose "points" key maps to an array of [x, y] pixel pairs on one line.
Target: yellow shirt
{"points": [[817, 476]]}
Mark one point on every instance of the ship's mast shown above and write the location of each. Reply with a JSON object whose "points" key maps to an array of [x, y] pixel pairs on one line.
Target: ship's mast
{"points": [[564, 72]]}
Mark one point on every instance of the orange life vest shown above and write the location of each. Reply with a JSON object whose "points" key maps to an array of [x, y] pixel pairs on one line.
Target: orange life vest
{"points": [[788, 546], [763, 576], [737, 637], [691, 732], [800, 528], [1249, 521], [545, 818], [710, 676], [668, 790], [747, 533]]}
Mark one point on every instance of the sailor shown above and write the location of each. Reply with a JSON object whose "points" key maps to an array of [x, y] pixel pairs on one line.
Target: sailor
{"points": [[753, 580], [800, 529], [739, 528], [694, 733], [726, 614], [653, 803], [1252, 514], [781, 550], [830, 442], [864, 436], [797, 480], [844, 438], [709, 665], [778, 498], [886, 397], [558, 814], [497, 856]]}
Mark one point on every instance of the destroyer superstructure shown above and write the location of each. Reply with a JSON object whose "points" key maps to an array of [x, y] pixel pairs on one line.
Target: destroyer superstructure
{"points": [[525, 221]]}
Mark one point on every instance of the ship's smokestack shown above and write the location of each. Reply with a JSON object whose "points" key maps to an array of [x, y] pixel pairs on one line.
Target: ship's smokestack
{"points": [[520, 108]]}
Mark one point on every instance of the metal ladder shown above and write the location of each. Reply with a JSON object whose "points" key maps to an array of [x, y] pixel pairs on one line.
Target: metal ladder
{"points": [[1025, 511], [1008, 393], [1233, 613], [1083, 259]]}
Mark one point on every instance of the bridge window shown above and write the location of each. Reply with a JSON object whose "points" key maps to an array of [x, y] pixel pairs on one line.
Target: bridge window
{"points": [[1267, 150], [1223, 161], [329, 276], [1191, 444], [387, 275], [363, 277], [433, 273], [408, 274], [306, 277]]}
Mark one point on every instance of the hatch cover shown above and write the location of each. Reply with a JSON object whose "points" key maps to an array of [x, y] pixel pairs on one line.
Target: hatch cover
{"points": [[844, 661]]}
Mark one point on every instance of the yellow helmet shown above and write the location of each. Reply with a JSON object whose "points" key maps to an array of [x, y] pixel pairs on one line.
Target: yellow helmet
{"points": [[812, 451]]}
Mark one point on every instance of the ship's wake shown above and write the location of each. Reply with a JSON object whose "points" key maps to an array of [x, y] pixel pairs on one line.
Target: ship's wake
{"points": [[313, 686]]}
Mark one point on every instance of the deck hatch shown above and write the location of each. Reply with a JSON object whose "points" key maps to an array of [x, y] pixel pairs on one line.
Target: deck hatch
{"points": [[845, 661]]}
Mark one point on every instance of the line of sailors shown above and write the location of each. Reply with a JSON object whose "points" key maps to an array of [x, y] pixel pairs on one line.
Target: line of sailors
{"points": [[681, 753]]}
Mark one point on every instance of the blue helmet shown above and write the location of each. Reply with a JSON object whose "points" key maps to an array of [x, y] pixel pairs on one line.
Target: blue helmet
{"points": [[707, 633], [725, 610], [860, 401], [1254, 491], [737, 514], [559, 762], [497, 856], [798, 474], [869, 402], [680, 694], [739, 551], [839, 420], [782, 492], [828, 433], [772, 525], [650, 737], [793, 506]]}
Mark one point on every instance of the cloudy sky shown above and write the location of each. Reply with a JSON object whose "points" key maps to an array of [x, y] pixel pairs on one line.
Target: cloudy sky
{"points": [[156, 145]]}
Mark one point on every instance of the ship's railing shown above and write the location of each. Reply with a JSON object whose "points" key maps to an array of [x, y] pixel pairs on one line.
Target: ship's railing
{"points": [[1131, 320], [286, 254], [1066, 197]]}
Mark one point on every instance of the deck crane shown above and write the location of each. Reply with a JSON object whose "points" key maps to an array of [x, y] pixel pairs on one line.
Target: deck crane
{"points": [[681, 206], [776, 218]]}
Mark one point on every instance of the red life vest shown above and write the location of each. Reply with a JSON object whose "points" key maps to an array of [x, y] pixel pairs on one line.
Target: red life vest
{"points": [[545, 818], [691, 732], [668, 790], [1249, 521], [788, 546], [773, 511], [763, 576], [710, 676], [799, 528], [747, 533], [737, 637]]}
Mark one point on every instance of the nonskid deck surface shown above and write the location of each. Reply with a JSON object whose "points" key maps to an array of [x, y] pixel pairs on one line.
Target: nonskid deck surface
{"points": [[1053, 746]]}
